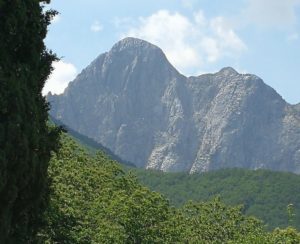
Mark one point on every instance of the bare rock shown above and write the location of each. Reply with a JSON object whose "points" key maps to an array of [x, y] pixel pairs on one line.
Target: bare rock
{"points": [[134, 102]]}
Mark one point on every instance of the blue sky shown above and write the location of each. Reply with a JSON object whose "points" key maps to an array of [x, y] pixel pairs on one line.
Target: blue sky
{"points": [[198, 36]]}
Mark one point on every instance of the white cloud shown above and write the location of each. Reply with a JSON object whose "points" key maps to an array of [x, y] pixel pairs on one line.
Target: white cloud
{"points": [[189, 43], [225, 33], [200, 19], [96, 27], [211, 48], [59, 79], [170, 32], [272, 13]]}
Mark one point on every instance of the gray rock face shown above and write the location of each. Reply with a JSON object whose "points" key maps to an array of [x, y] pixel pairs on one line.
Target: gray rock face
{"points": [[133, 101]]}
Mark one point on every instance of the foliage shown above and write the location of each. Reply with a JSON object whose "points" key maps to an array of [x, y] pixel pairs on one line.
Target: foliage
{"points": [[94, 201], [264, 194], [25, 138], [214, 222]]}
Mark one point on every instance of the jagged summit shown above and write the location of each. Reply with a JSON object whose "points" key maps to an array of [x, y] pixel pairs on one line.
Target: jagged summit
{"points": [[134, 102]]}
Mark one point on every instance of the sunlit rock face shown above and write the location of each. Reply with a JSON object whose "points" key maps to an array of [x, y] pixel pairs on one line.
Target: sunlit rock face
{"points": [[133, 101]]}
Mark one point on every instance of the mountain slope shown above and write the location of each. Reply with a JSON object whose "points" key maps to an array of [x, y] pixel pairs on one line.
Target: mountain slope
{"points": [[134, 102], [90, 144], [264, 194]]}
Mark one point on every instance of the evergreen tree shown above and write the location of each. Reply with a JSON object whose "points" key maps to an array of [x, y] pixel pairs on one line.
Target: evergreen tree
{"points": [[25, 139]]}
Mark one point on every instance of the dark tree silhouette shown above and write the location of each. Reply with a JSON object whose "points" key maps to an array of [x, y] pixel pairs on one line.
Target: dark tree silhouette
{"points": [[26, 140]]}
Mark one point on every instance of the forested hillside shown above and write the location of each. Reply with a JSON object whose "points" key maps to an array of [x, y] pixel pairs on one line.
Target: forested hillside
{"points": [[93, 201], [264, 194]]}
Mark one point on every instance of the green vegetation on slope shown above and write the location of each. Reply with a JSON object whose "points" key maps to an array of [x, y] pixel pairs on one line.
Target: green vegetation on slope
{"points": [[25, 139], [93, 201], [264, 194], [88, 143]]}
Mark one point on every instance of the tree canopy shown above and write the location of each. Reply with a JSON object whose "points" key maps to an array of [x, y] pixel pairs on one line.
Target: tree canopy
{"points": [[263, 193], [94, 201]]}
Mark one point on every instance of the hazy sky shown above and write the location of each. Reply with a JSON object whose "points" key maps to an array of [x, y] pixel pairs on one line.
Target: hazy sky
{"points": [[198, 36]]}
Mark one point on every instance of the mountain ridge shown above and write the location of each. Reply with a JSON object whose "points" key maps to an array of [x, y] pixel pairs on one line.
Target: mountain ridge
{"points": [[134, 102]]}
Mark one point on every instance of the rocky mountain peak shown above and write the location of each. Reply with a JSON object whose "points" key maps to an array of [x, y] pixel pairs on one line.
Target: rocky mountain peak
{"points": [[130, 43], [134, 47], [134, 102], [132, 54], [228, 71]]}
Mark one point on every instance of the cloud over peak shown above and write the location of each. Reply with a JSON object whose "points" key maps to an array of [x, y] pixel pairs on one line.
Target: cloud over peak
{"points": [[189, 43]]}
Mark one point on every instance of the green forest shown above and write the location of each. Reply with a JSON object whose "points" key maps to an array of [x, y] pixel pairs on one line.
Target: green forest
{"points": [[264, 194], [92, 200]]}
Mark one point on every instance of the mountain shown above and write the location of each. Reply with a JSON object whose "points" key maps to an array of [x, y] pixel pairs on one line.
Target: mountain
{"points": [[134, 102], [88, 143]]}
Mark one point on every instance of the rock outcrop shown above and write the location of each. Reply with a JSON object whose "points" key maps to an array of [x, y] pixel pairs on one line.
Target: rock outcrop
{"points": [[134, 102]]}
